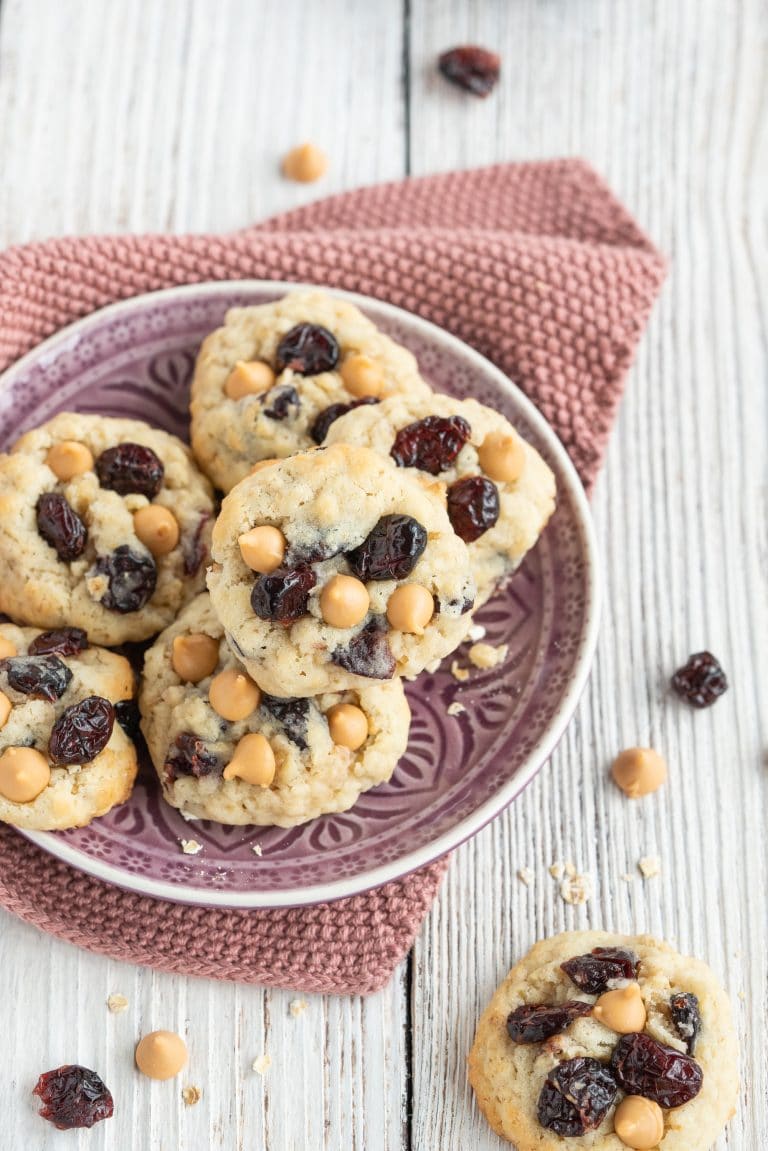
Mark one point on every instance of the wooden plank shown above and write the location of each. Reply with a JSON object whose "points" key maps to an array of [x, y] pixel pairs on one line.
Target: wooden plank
{"points": [[135, 115], [665, 100]]}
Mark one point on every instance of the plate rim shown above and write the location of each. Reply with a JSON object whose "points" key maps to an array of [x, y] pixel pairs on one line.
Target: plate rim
{"points": [[347, 887]]}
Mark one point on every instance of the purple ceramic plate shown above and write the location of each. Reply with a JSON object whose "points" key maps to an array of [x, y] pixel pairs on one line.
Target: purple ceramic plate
{"points": [[135, 359]]}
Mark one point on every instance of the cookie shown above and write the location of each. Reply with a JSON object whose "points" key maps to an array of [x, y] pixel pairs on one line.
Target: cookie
{"points": [[499, 491], [607, 1042], [268, 383], [104, 525], [64, 758], [333, 568], [225, 751]]}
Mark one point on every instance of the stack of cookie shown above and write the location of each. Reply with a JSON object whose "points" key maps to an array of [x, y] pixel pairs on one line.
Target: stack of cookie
{"points": [[365, 519]]}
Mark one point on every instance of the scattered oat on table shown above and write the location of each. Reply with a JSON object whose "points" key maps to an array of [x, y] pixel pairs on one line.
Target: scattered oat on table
{"points": [[486, 656], [556, 870], [191, 1095], [526, 876], [262, 1064], [297, 1007], [627, 877], [191, 846], [576, 889], [650, 866], [256, 849], [458, 672], [456, 708], [117, 1003]]}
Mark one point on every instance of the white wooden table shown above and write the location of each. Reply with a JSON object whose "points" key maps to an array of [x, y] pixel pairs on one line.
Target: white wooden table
{"points": [[120, 115]]}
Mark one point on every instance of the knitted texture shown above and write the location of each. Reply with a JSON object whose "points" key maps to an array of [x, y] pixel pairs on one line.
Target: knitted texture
{"points": [[535, 265]]}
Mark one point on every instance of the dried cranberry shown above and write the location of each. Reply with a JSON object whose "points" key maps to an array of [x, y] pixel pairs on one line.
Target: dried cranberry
{"points": [[592, 973], [61, 526], [73, 1096], [644, 1067], [61, 641], [701, 681], [279, 401], [368, 654], [472, 68], [131, 579], [535, 1022], [322, 422], [190, 755], [195, 550], [308, 349], [82, 731], [130, 469], [473, 507], [390, 551], [576, 1097], [293, 714], [38, 676], [127, 715], [431, 444], [686, 1016], [283, 595]]}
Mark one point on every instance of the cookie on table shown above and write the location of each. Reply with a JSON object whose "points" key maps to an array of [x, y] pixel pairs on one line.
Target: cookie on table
{"points": [[104, 525], [335, 567], [64, 757], [225, 751], [607, 1042], [500, 493], [269, 382]]}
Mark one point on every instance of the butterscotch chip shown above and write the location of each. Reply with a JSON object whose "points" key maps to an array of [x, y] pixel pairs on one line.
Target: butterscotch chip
{"points": [[410, 608], [157, 528], [502, 457], [194, 656], [249, 378], [306, 163], [344, 601], [262, 548], [5, 709], [362, 376], [639, 771], [622, 1010], [253, 761], [24, 774], [639, 1123], [233, 694], [257, 467], [7, 649], [68, 459], [161, 1054], [348, 725]]}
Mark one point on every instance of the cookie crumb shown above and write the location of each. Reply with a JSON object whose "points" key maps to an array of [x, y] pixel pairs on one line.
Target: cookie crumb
{"points": [[486, 656], [191, 1095], [186, 816], [456, 708], [458, 672], [262, 1064], [570, 869], [627, 877], [297, 1007], [191, 846], [526, 876], [256, 849], [576, 889], [556, 870], [117, 1003], [476, 632], [650, 866]]}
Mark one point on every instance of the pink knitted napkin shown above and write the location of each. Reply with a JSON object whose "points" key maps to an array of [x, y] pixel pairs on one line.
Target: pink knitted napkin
{"points": [[535, 265]]}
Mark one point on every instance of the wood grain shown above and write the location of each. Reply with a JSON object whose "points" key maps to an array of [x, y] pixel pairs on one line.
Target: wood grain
{"points": [[135, 115], [665, 99]]}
